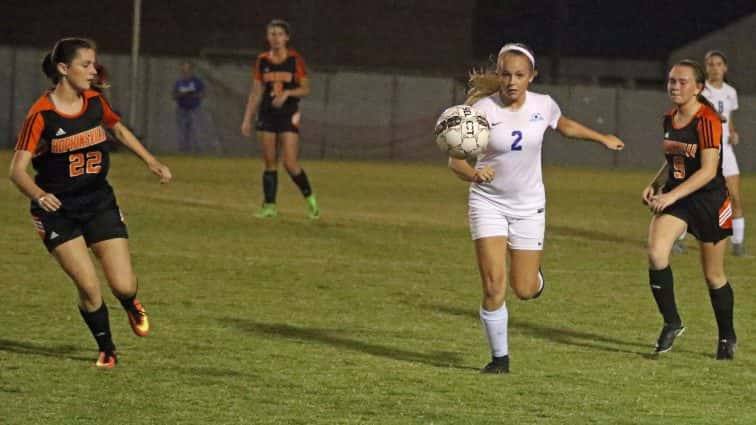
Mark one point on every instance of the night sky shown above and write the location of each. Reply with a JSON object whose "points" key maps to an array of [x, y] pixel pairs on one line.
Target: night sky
{"points": [[641, 29]]}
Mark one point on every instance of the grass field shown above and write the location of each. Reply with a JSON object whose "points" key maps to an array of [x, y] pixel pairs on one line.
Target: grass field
{"points": [[368, 316]]}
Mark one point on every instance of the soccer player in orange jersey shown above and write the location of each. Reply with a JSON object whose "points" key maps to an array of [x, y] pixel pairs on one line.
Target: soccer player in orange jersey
{"points": [[72, 204]]}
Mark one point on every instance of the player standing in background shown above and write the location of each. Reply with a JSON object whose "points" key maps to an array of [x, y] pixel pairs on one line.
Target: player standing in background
{"points": [[507, 201], [689, 192], [724, 98], [72, 204], [279, 81]]}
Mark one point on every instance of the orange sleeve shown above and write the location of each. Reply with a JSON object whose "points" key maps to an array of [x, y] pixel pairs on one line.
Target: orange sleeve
{"points": [[256, 74], [30, 133], [709, 132], [301, 71], [109, 118]]}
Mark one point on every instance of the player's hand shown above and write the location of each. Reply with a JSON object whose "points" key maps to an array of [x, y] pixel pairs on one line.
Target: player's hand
{"points": [[49, 202], [484, 175], [614, 143], [734, 138], [279, 100], [161, 171], [246, 128], [660, 202], [648, 195]]}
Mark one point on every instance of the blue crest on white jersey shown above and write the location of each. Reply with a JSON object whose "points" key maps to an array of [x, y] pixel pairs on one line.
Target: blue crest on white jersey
{"points": [[536, 117]]}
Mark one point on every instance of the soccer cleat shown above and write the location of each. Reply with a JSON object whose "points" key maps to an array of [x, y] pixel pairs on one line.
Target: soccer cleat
{"points": [[498, 365], [543, 285], [738, 250], [106, 360], [267, 211], [667, 337], [313, 211], [678, 247], [138, 319], [726, 349]]}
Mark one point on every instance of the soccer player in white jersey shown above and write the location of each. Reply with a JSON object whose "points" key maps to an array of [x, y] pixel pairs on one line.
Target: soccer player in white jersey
{"points": [[724, 97], [507, 200]]}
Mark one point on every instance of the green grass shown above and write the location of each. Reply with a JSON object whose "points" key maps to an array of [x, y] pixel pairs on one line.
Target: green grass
{"points": [[368, 316]]}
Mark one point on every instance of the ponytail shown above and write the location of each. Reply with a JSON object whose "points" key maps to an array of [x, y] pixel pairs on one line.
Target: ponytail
{"points": [[64, 51]]}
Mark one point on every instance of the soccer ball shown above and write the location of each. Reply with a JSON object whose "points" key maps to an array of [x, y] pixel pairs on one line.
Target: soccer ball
{"points": [[462, 132]]}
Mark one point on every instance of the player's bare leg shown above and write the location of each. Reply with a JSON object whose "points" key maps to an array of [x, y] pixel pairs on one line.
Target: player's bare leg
{"points": [[524, 273], [290, 148], [115, 259], [270, 174], [738, 221]]}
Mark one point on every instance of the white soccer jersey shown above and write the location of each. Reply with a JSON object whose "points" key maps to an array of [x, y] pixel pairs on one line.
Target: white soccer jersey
{"points": [[725, 99], [514, 152]]}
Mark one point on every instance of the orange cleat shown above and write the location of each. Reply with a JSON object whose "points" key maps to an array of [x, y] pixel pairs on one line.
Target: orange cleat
{"points": [[106, 360], [138, 319]]}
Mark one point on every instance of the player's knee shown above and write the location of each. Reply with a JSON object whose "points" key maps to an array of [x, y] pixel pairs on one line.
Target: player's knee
{"points": [[658, 258], [494, 288], [292, 167], [524, 292], [715, 279]]}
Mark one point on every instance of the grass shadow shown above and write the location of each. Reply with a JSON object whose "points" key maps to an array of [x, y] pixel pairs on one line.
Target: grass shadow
{"points": [[28, 348], [573, 337], [593, 235], [329, 337]]}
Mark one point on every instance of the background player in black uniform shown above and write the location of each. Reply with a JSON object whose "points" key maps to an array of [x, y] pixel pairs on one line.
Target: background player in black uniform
{"points": [[72, 204], [279, 81], [693, 195]]}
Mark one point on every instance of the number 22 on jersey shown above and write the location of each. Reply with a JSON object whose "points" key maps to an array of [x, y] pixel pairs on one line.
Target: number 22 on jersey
{"points": [[78, 164]]}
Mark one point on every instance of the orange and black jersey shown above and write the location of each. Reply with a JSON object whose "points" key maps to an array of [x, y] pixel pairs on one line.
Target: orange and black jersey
{"points": [[277, 77], [683, 147], [67, 150]]}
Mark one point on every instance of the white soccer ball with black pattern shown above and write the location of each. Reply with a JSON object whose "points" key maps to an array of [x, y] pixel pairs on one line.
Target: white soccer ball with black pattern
{"points": [[462, 132]]}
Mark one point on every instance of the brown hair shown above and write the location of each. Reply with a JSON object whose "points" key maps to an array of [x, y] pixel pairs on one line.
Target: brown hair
{"points": [[699, 75], [64, 51]]}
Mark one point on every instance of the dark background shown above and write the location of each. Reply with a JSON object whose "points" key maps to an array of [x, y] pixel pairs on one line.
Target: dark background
{"points": [[430, 36]]}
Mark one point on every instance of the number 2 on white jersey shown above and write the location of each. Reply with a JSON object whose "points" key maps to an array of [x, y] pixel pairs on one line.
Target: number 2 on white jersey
{"points": [[518, 138]]}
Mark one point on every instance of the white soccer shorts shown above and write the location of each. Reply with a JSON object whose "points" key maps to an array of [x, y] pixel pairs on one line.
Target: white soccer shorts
{"points": [[729, 162], [525, 233]]}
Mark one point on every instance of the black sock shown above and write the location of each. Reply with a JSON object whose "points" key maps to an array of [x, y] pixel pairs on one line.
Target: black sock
{"points": [[662, 286], [128, 302], [722, 300], [99, 325], [302, 183], [503, 360], [270, 186]]}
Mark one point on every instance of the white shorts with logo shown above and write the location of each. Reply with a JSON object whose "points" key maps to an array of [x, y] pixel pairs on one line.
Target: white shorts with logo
{"points": [[729, 162], [487, 220]]}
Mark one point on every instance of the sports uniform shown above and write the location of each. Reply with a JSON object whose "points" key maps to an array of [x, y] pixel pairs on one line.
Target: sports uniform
{"points": [[513, 204], [71, 163], [275, 78], [725, 99], [706, 211]]}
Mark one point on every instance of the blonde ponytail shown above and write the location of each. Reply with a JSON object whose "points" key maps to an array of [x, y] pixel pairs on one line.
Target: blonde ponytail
{"points": [[482, 84]]}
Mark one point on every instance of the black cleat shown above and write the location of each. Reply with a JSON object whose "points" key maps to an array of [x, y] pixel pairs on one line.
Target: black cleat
{"points": [[497, 366], [667, 337], [726, 349]]}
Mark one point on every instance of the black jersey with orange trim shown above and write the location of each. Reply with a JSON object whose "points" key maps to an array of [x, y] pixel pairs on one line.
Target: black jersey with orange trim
{"points": [[67, 150], [279, 76], [683, 147]]}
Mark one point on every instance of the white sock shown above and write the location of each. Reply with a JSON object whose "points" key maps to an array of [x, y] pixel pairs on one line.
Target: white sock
{"points": [[495, 327], [682, 237], [738, 229]]}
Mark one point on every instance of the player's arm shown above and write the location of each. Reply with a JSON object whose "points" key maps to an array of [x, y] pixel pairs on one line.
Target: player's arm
{"points": [[734, 136], [301, 91], [467, 173], [697, 180], [575, 130], [654, 188], [25, 183], [253, 102], [125, 136]]}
